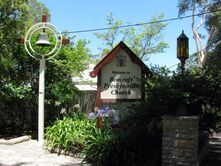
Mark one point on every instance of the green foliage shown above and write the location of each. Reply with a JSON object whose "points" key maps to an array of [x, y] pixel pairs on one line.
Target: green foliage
{"points": [[144, 40], [59, 86], [137, 141], [73, 57], [18, 86], [69, 134], [109, 38], [205, 91], [211, 19], [99, 142], [166, 91], [147, 40], [212, 79], [15, 91], [19, 72]]}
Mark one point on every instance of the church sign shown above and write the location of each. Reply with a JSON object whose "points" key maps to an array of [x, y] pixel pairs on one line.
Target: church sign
{"points": [[120, 76], [121, 79]]}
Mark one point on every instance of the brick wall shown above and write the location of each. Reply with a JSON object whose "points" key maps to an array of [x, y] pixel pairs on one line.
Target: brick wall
{"points": [[180, 141]]}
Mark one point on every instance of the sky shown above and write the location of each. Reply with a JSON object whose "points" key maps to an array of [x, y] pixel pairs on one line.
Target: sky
{"points": [[73, 15]]}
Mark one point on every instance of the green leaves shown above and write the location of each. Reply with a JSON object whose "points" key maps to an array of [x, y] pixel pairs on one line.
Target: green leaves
{"points": [[98, 143], [19, 73], [72, 59], [110, 37], [69, 134], [16, 91], [144, 40]]}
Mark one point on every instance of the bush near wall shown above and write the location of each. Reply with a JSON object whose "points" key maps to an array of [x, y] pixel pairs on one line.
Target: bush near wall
{"points": [[69, 134], [136, 141]]}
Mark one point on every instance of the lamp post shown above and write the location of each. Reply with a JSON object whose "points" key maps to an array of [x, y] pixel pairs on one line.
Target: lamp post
{"points": [[182, 55], [43, 28]]}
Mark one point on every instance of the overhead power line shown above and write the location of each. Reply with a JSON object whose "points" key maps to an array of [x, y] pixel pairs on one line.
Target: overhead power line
{"points": [[192, 55], [140, 24], [146, 23]]}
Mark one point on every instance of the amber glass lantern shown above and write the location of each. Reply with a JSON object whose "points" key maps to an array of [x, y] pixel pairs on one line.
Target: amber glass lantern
{"points": [[182, 47]]}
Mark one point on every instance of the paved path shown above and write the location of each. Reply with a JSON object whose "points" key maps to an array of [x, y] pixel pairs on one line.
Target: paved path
{"points": [[30, 153]]}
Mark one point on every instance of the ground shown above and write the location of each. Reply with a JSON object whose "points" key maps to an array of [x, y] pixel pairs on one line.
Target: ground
{"points": [[31, 153]]}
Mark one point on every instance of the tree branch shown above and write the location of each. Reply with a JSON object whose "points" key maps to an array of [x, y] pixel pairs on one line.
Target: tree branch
{"points": [[195, 34], [200, 24], [205, 55]]}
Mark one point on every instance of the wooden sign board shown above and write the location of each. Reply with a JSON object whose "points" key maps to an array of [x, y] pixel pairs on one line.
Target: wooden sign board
{"points": [[120, 74], [121, 78]]}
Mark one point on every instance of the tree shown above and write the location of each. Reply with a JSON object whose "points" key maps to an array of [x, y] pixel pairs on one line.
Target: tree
{"points": [[210, 10], [19, 72], [15, 87], [144, 41]]}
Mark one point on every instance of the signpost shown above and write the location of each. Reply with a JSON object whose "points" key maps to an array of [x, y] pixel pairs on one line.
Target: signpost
{"points": [[120, 76]]}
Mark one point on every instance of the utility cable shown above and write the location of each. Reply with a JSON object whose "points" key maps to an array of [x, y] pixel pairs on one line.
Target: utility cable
{"points": [[146, 23], [191, 56], [140, 24]]}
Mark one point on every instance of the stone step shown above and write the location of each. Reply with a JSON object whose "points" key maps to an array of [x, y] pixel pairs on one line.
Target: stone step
{"points": [[215, 139], [218, 144], [210, 163], [213, 155], [216, 156], [211, 159], [215, 143], [214, 149]]}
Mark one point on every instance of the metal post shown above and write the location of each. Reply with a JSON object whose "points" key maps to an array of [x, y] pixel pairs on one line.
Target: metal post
{"points": [[50, 54], [182, 72], [41, 97]]}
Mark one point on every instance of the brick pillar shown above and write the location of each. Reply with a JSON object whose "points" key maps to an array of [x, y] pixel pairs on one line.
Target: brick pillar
{"points": [[180, 141]]}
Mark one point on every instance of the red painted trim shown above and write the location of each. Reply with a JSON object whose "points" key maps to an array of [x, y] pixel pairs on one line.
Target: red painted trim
{"points": [[21, 40], [98, 93], [44, 18], [99, 121], [65, 41]]}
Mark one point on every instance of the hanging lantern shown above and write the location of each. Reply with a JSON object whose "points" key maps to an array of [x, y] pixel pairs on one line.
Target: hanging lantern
{"points": [[182, 47]]}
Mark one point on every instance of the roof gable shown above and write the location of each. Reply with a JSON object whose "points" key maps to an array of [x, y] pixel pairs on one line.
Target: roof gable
{"points": [[109, 57]]}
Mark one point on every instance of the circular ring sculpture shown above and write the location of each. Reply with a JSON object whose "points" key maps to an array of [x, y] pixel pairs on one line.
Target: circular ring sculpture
{"points": [[44, 26]]}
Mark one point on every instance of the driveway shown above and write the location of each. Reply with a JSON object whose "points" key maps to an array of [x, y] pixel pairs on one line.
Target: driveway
{"points": [[31, 153]]}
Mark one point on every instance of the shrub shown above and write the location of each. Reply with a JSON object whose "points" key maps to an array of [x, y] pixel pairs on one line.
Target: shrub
{"points": [[99, 142], [136, 142], [69, 134]]}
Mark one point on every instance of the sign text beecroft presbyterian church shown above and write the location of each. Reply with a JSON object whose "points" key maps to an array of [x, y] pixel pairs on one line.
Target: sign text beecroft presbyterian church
{"points": [[121, 79], [121, 86]]}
